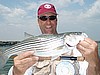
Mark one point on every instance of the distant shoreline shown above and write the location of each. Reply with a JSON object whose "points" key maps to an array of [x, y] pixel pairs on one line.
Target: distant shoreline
{"points": [[98, 41], [10, 43]]}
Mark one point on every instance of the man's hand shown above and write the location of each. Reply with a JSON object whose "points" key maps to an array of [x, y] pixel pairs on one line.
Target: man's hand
{"points": [[23, 61], [89, 50]]}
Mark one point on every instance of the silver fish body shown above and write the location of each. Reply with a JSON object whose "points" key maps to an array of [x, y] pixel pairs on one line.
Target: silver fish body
{"points": [[44, 45]]}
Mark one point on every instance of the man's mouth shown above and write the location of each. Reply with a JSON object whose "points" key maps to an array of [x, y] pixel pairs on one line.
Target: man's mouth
{"points": [[48, 27]]}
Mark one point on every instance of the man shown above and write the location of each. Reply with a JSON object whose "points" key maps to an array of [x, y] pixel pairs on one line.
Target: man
{"points": [[47, 20]]}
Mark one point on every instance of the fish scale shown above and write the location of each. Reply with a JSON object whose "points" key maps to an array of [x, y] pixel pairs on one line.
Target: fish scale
{"points": [[29, 46], [35, 42], [43, 45], [36, 45]]}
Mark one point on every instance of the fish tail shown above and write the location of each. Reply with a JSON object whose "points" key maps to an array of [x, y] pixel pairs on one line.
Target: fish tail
{"points": [[3, 59]]}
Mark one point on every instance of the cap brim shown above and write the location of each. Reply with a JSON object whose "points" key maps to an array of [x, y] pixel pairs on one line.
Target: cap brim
{"points": [[48, 12]]}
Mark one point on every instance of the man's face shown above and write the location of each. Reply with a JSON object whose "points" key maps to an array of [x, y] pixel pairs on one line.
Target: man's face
{"points": [[48, 23]]}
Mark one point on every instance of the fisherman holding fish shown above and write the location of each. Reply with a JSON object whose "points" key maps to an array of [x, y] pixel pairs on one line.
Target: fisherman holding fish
{"points": [[25, 63]]}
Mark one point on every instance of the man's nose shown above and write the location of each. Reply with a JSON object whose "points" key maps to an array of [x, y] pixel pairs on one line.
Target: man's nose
{"points": [[48, 21]]}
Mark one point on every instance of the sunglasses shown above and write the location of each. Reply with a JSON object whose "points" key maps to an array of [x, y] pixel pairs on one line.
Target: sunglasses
{"points": [[44, 18]]}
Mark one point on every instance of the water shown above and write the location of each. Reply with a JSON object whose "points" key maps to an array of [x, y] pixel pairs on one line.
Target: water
{"points": [[99, 48], [9, 63]]}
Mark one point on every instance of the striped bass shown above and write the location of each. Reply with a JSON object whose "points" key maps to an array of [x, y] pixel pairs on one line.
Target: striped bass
{"points": [[44, 45]]}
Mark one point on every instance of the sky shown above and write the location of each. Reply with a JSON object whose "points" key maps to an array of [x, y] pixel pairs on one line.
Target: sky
{"points": [[18, 17]]}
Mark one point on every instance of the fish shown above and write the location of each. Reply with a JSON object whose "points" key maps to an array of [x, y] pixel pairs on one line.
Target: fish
{"points": [[45, 45]]}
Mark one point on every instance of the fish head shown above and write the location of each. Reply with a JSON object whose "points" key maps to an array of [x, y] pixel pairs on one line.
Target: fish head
{"points": [[72, 40]]}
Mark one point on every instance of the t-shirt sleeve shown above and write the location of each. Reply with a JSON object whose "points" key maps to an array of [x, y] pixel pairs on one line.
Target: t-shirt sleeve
{"points": [[28, 71]]}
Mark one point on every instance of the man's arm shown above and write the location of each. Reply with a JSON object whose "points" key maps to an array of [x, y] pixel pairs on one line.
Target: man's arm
{"points": [[94, 69], [89, 50], [28, 71]]}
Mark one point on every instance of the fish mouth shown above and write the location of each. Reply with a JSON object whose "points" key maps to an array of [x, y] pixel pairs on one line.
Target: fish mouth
{"points": [[68, 45]]}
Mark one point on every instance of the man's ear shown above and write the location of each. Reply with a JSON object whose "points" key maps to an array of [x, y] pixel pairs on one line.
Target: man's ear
{"points": [[56, 19], [38, 20]]}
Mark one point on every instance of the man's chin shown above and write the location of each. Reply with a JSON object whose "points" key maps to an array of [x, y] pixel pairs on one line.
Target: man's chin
{"points": [[48, 31]]}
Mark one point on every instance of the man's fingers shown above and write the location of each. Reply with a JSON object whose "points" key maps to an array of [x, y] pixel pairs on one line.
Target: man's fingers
{"points": [[29, 59], [88, 40], [24, 55]]}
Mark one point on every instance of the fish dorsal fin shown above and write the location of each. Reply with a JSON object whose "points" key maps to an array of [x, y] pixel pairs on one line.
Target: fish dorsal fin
{"points": [[27, 34]]}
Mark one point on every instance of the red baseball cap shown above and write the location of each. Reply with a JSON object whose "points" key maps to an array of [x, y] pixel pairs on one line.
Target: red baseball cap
{"points": [[44, 8]]}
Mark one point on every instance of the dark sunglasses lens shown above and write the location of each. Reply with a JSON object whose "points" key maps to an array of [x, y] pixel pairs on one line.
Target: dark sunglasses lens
{"points": [[52, 17], [43, 18]]}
